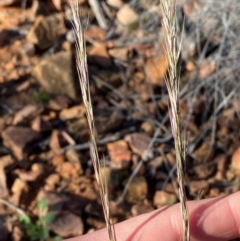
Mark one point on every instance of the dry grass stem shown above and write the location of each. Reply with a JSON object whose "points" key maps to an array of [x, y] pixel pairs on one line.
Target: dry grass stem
{"points": [[13, 207], [82, 68], [172, 80]]}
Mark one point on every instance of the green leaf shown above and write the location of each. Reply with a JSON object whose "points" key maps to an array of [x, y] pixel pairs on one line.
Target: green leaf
{"points": [[49, 218], [44, 233], [42, 204], [57, 238], [25, 219], [41, 97]]}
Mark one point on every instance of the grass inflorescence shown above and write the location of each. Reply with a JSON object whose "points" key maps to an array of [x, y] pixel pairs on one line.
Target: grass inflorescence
{"points": [[82, 68], [172, 80]]}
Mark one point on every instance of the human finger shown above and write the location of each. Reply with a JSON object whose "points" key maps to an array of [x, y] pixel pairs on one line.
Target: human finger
{"points": [[215, 219]]}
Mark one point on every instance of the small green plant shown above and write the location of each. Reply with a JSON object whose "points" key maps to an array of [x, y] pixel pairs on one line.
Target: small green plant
{"points": [[41, 97], [39, 229]]}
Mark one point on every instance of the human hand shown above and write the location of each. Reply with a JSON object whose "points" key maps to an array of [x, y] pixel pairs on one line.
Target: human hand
{"points": [[210, 219]]}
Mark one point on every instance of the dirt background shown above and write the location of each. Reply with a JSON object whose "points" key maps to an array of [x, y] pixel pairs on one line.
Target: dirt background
{"points": [[44, 149]]}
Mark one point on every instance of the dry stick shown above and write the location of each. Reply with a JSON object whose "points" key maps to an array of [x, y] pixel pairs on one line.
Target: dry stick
{"points": [[96, 7], [150, 87], [170, 172], [103, 141], [10, 205], [172, 80], [107, 11], [97, 79], [214, 120], [82, 68]]}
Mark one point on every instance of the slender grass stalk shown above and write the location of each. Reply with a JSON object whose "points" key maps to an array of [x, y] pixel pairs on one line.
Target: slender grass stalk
{"points": [[172, 80], [82, 68]]}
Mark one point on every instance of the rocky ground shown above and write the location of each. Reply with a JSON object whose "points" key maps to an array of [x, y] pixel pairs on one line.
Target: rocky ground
{"points": [[44, 149]]}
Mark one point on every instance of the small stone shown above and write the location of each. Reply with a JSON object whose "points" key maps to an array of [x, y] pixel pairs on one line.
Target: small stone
{"points": [[6, 161], [137, 190], [113, 121], [205, 150], [57, 141], [119, 153], [67, 224], [169, 187], [3, 228], [139, 144], [221, 161], [119, 53], [204, 171], [199, 105], [17, 233], [115, 3], [56, 201], [127, 16], [42, 34], [68, 171], [3, 184], [99, 55], [90, 194], [235, 162], [23, 86], [189, 8], [96, 223], [156, 69], [58, 75], [147, 127], [38, 8], [46, 30], [59, 102], [19, 186], [154, 165], [4, 36], [52, 115], [19, 139], [57, 4], [70, 36], [139, 209], [230, 175], [214, 192], [31, 176], [26, 113], [66, 46], [197, 186], [96, 33], [28, 49], [53, 180], [112, 78], [3, 123], [58, 160], [74, 112], [39, 125], [190, 66], [73, 157], [162, 198], [8, 2], [206, 68]]}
